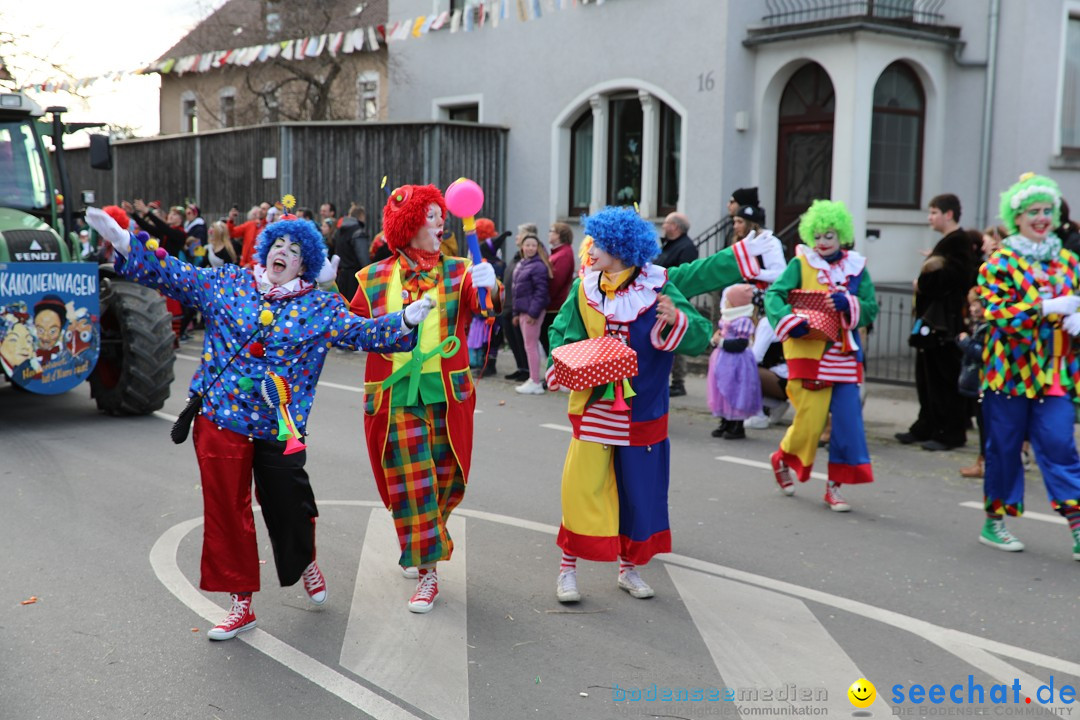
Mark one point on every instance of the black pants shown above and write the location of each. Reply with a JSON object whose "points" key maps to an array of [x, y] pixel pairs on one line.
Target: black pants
{"points": [[549, 318], [515, 341], [943, 411]]}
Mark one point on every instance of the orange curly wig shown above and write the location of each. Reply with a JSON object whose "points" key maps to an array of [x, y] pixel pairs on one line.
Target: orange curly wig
{"points": [[406, 212]]}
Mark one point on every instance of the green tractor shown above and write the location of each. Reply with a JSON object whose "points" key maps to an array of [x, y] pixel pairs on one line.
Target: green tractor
{"points": [[65, 318]]}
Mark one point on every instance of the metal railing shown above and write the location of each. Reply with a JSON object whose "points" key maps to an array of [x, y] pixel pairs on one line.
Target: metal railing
{"points": [[889, 359], [792, 12]]}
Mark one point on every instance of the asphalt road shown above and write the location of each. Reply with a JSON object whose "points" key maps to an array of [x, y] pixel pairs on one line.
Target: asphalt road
{"points": [[772, 597]]}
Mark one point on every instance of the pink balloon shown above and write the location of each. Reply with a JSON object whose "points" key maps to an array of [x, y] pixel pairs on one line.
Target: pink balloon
{"points": [[464, 198]]}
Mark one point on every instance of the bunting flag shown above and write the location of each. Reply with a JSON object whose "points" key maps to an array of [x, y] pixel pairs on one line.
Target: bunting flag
{"points": [[365, 38]]}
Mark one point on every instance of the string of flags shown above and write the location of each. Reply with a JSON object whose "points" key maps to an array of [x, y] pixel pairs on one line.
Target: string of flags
{"points": [[371, 38]]}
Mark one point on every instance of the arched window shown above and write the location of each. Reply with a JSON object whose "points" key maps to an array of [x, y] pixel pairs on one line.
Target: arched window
{"points": [[581, 152], [804, 144], [896, 139]]}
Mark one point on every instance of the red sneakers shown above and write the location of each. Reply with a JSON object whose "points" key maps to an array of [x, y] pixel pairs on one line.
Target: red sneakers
{"points": [[239, 619], [426, 591], [315, 584], [783, 473], [834, 499]]}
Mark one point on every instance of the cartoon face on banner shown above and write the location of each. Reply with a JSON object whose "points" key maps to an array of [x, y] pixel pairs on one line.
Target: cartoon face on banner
{"points": [[49, 336]]}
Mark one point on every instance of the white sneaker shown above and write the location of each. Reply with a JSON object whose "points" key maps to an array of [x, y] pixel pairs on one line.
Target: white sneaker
{"points": [[757, 422], [410, 573], [530, 388], [566, 590], [778, 412], [632, 583]]}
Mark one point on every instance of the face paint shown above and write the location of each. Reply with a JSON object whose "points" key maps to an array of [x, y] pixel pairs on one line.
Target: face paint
{"points": [[429, 237], [283, 261], [1036, 222], [826, 243]]}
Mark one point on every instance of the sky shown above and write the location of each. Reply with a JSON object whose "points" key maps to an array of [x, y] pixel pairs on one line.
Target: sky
{"points": [[91, 38]]}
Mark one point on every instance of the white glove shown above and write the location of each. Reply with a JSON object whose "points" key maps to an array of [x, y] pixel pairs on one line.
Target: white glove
{"points": [[215, 261], [1064, 305], [759, 242], [1072, 324], [483, 275], [417, 311], [328, 273], [107, 228]]}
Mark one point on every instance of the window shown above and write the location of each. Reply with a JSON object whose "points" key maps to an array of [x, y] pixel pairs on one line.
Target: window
{"points": [[670, 159], [227, 115], [367, 90], [189, 115], [625, 129], [463, 113], [1070, 98], [581, 152], [271, 104], [896, 138]]}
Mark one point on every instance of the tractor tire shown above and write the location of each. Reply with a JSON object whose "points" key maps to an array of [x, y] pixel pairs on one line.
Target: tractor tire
{"points": [[135, 368]]}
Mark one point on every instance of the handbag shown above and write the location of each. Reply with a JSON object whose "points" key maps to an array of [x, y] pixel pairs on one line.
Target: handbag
{"points": [[929, 330]]}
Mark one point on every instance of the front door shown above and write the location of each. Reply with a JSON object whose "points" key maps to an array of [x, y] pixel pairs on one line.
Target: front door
{"points": [[805, 145]]}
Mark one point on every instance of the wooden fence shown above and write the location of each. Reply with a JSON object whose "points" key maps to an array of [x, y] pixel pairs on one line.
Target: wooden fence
{"points": [[336, 162]]}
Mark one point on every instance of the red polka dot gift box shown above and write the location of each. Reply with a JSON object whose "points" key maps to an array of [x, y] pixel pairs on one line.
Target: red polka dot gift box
{"points": [[593, 362], [813, 306]]}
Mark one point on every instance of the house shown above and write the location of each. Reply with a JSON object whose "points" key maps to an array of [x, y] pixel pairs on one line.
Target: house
{"points": [[264, 61], [673, 104]]}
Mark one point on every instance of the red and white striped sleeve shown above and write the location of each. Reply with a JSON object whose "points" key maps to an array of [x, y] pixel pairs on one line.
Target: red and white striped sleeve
{"points": [[786, 325], [850, 319], [674, 337], [748, 263]]}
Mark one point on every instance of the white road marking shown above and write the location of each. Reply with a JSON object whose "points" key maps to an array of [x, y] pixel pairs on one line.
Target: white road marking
{"points": [[1056, 519], [553, 426], [422, 659], [163, 561], [762, 465], [165, 416], [761, 639]]}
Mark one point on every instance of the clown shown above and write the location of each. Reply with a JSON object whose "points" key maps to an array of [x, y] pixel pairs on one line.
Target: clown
{"points": [[418, 406], [17, 343], [1032, 372], [615, 478], [50, 320], [824, 376], [259, 323]]}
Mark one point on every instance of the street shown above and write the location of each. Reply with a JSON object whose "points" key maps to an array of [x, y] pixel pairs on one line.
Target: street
{"points": [[777, 600]]}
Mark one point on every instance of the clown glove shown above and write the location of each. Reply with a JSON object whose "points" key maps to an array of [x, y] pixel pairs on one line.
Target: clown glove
{"points": [[329, 270], [215, 261], [417, 311], [758, 242], [483, 275], [1072, 324], [107, 228], [1064, 305]]}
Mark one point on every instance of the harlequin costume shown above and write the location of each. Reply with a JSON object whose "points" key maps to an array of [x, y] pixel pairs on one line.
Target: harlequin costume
{"points": [[1032, 372], [615, 477], [254, 328], [418, 406], [824, 376]]}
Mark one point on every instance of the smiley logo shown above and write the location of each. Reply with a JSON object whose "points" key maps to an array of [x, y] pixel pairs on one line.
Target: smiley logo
{"points": [[862, 693]]}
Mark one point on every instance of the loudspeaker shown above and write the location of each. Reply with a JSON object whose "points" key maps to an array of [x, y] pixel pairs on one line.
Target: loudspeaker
{"points": [[100, 152]]}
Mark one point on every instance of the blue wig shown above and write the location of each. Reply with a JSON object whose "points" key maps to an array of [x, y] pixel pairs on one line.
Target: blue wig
{"points": [[303, 232], [621, 232]]}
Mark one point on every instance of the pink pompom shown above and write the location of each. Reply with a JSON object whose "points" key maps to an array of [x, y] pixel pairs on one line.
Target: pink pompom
{"points": [[160, 253], [464, 198]]}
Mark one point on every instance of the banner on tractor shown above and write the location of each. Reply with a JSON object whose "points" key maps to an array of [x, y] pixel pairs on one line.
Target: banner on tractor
{"points": [[49, 324]]}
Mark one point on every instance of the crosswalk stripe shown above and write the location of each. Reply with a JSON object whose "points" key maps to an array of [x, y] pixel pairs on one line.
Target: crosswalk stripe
{"points": [[1056, 519], [553, 426], [421, 659], [762, 640], [762, 465]]}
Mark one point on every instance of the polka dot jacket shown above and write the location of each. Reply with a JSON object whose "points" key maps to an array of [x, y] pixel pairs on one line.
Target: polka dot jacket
{"points": [[294, 345]]}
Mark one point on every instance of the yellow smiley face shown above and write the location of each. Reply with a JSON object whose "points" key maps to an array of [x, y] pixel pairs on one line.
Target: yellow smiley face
{"points": [[862, 693]]}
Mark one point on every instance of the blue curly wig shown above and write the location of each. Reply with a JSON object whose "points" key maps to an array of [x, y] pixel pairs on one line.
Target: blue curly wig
{"points": [[304, 232], [621, 232]]}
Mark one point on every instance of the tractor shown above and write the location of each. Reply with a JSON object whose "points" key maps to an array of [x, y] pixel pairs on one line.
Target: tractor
{"points": [[66, 317]]}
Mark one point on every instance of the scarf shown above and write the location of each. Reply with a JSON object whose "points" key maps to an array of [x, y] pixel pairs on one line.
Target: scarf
{"points": [[1030, 250], [610, 283], [294, 288], [419, 270]]}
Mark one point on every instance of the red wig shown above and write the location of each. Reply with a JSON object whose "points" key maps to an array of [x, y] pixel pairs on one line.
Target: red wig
{"points": [[117, 213], [485, 229], [406, 212]]}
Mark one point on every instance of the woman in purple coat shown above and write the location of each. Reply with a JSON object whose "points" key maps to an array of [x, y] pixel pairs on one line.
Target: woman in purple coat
{"points": [[532, 279]]}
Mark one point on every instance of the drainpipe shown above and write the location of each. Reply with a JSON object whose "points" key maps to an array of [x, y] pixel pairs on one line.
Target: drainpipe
{"points": [[988, 108]]}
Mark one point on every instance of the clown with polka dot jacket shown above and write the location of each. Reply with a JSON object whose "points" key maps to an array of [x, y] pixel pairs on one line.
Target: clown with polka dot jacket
{"points": [[271, 322]]}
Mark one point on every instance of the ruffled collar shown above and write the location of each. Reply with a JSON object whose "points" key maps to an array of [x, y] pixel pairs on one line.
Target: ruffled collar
{"points": [[850, 265], [1033, 251], [631, 301]]}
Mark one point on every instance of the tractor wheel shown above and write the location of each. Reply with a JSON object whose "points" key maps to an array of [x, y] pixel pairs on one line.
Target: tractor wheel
{"points": [[135, 368]]}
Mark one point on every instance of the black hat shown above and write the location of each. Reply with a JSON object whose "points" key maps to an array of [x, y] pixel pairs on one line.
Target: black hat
{"points": [[753, 213], [746, 196]]}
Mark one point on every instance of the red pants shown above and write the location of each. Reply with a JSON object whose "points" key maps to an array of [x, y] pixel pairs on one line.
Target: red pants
{"points": [[227, 463]]}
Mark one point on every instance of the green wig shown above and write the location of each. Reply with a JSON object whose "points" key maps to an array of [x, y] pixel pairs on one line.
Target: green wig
{"points": [[824, 215], [1031, 188]]}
